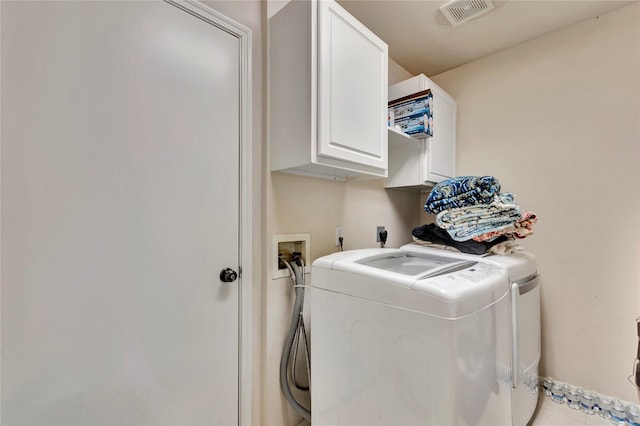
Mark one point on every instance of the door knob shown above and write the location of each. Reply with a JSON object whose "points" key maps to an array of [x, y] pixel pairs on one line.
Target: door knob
{"points": [[228, 275]]}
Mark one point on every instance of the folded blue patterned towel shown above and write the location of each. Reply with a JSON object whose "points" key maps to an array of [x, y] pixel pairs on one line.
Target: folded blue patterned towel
{"points": [[461, 191], [464, 223]]}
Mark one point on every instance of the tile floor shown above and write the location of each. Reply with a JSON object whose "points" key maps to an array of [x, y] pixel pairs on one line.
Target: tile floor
{"points": [[551, 414]]}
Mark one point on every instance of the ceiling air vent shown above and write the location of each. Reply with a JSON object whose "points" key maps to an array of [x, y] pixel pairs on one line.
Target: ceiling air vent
{"points": [[459, 11]]}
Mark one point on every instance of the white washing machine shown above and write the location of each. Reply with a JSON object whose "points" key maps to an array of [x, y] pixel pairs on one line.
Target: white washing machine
{"points": [[406, 338], [522, 270]]}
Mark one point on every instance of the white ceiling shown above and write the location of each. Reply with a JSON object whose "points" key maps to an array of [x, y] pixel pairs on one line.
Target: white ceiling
{"points": [[421, 39]]}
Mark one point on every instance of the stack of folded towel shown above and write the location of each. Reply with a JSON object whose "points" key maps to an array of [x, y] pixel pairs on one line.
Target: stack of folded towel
{"points": [[476, 216]]}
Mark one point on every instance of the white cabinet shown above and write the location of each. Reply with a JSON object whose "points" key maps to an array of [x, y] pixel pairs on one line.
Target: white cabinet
{"points": [[419, 162], [327, 93]]}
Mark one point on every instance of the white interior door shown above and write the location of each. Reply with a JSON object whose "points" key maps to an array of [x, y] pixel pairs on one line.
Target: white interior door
{"points": [[120, 205]]}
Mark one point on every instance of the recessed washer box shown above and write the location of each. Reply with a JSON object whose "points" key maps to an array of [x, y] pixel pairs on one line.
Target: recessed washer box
{"points": [[284, 245]]}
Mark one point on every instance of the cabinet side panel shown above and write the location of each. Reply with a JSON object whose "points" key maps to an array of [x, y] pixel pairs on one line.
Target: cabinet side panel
{"points": [[290, 85], [405, 155], [442, 145]]}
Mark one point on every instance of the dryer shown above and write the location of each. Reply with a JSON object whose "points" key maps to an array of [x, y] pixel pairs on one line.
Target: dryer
{"points": [[403, 337], [522, 270]]}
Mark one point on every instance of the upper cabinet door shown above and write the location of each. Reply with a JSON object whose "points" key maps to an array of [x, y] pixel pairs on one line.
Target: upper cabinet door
{"points": [[352, 89]]}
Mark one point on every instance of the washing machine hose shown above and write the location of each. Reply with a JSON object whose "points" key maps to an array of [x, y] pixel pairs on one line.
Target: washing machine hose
{"points": [[296, 328]]}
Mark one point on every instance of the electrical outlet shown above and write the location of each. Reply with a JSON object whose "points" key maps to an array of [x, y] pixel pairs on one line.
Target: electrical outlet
{"points": [[338, 235], [379, 229]]}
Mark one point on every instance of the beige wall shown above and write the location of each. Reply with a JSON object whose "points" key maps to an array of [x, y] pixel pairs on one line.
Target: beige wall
{"points": [[557, 120]]}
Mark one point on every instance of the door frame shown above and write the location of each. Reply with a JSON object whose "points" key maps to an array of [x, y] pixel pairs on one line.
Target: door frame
{"points": [[245, 267]]}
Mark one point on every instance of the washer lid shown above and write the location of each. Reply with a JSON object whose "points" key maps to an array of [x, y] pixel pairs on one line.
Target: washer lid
{"points": [[415, 264], [395, 266]]}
